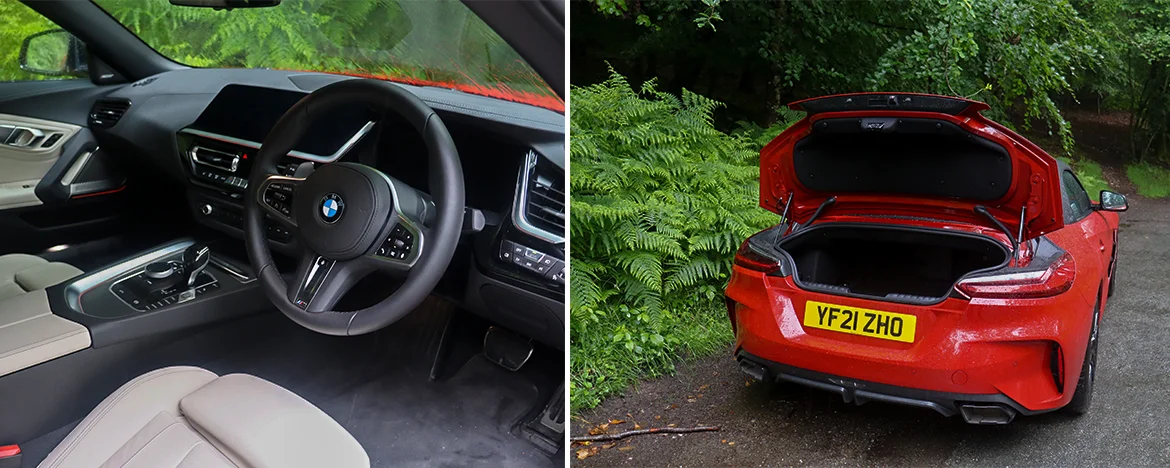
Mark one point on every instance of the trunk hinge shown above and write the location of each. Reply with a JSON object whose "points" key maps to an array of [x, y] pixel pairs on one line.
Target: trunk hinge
{"points": [[980, 209]]}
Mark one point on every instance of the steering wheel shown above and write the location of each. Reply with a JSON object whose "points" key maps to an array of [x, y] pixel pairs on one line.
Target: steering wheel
{"points": [[351, 219]]}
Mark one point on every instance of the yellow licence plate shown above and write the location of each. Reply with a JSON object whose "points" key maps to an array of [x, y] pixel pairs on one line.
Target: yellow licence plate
{"points": [[858, 321]]}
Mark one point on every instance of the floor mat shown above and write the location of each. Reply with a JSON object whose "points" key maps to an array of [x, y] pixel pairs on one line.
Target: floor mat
{"points": [[377, 386], [405, 420]]}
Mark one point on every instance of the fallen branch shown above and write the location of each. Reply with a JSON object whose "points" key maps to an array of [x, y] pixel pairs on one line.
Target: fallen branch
{"points": [[653, 430]]}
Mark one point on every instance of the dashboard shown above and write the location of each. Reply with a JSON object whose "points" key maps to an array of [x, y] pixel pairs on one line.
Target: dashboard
{"points": [[201, 128]]}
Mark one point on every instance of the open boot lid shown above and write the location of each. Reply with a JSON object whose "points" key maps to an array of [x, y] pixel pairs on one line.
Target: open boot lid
{"points": [[910, 155]]}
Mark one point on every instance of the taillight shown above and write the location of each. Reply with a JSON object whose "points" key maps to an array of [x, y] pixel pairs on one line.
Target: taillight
{"points": [[1057, 279], [749, 258]]}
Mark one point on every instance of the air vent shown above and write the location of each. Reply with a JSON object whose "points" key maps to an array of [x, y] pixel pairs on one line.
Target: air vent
{"points": [[541, 201], [106, 112]]}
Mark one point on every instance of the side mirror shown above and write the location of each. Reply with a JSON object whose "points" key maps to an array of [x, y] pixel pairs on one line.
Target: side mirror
{"points": [[54, 53], [1113, 201]]}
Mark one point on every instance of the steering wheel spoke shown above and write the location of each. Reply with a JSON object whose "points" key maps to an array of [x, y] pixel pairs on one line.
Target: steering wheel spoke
{"points": [[407, 230], [320, 282], [403, 247], [275, 196]]}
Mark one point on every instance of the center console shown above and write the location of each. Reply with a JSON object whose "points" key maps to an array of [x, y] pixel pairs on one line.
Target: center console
{"points": [[219, 172], [165, 283], [219, 147], [173, 286]]}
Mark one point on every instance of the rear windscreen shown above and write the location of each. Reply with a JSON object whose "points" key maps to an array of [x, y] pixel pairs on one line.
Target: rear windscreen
{"points": [[923, 157]]}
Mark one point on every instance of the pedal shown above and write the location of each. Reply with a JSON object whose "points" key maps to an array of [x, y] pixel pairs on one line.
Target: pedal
{"points": [[547, 430], [554, 414], [506, 349]]}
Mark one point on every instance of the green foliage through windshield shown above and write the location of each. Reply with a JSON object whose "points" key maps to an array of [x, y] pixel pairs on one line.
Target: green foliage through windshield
{"points": [[434, 43]]}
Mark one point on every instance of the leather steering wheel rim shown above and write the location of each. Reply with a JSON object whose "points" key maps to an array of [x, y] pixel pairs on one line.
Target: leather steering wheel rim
{"points": [[442, 223]]}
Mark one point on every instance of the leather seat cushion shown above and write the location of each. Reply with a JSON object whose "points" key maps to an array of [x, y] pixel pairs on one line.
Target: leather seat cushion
{"points": [[187, 416], [21, 273]]}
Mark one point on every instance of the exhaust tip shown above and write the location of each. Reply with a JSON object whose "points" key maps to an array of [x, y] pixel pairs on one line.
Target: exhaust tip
{"points": [[755, 370], [987, 414]]}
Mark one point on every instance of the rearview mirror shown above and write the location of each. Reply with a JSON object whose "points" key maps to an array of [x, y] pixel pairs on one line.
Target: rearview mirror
{"points": [[226, 4], [54, 53], [1113, 201]]}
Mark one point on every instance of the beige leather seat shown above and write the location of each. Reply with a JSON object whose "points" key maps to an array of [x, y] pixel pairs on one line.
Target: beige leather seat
{"points": [[21, 273], [189, 417]]}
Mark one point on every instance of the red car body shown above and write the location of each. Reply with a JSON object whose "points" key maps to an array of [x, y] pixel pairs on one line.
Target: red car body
{"points": [[877, 189]]}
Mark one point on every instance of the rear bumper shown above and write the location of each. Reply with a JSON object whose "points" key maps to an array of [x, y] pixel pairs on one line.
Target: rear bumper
{"points": [[974, 408], [1028, 352]]}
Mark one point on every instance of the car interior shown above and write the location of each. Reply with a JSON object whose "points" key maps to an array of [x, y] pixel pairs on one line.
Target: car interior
{"points": [[190, 255]]}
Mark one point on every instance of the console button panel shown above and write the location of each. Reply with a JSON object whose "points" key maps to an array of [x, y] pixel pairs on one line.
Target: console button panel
{"points": [[533, 260], [232, 215], [399, 245], [227, 165], [279, 196]]}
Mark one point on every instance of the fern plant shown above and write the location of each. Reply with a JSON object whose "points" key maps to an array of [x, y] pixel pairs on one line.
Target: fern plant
{"points": [[660, 201]]}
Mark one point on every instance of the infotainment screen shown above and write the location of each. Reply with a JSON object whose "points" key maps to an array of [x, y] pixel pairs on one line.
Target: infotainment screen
{"points": [[250, 112]]}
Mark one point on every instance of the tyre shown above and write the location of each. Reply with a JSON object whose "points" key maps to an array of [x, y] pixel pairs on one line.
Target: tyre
{"points": [[1084, 392]]}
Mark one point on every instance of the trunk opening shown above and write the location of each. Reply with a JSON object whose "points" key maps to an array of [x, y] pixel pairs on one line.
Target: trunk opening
{"points": [[900, 264]]}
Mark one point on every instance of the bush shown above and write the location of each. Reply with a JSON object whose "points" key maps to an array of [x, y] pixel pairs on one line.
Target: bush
{"points": [[660, 201], [1151, 181]]}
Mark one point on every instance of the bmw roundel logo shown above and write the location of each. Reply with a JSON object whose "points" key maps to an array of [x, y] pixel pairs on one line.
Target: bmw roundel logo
{"points": [[332, 207]]}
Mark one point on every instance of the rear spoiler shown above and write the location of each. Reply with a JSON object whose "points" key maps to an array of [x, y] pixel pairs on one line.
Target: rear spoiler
{"points": [[885, 101]]}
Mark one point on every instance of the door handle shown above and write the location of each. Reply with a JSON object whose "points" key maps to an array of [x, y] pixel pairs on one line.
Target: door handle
{"points": [[1099, 241], [23, 137]]}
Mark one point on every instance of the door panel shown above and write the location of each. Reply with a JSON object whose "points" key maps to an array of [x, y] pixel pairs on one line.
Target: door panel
{"points": [[64, 191], [28, 149]]}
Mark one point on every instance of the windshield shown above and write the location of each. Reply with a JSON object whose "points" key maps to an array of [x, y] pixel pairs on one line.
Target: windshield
{"points": [[429, 43]]}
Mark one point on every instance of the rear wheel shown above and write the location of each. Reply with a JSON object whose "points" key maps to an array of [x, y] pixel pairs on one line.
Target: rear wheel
{"points": [[1084, 393]]}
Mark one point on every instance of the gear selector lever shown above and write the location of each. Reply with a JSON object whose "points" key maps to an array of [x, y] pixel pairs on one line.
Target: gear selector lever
{"points": [[195, 259]]}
